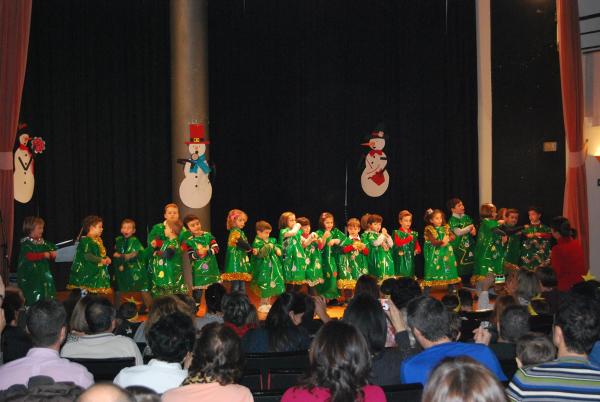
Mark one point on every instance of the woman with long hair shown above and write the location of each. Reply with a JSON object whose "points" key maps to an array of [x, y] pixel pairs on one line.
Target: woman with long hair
{"points": [[339, 368], [566, 257]]}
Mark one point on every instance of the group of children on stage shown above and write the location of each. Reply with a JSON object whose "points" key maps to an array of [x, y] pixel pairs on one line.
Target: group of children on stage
{"points": [[326, 260]]}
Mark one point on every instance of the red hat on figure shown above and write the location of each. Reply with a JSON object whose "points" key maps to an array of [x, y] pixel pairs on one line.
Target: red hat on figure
{"points": [[197, 134]]}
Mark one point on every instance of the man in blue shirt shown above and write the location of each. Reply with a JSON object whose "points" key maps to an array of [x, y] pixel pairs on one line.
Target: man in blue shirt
{"points": [[430, 324]]}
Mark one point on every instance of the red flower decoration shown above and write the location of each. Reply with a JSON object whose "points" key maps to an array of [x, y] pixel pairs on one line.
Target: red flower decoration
{"points": [[38, 145]]}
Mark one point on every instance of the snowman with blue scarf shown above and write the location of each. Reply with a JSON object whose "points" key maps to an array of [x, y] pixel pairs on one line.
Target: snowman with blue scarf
{"points": [[195, 189]]}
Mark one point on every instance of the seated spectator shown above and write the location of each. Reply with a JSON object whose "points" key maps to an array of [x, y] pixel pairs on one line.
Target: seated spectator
{"points": [[452, 303], [100, 342], [430, 324], [72, 299], [590, 289], [466, 300], [238, 313], [172, 341], [46, 323], [282, 331], [526, 288], [143, 394], [462, 379], [339, 368], [502, 303], [16, 342], [534, 348], [214, 313], [566, 255], [162, 306], [513, 324], [77, 324], [309, 306], [367, 284], [127, 320], [405, 290], [106, 393], [548, 283], [571, 375], [366, 314], [216, 368]]}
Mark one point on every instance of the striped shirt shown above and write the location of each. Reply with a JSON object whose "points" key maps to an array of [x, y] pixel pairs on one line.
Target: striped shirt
{"points": [[564, 379]]}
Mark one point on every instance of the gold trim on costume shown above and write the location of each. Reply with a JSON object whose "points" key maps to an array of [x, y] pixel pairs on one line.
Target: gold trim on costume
{"points": [[440, 282], [346, 284], [236, 276]]}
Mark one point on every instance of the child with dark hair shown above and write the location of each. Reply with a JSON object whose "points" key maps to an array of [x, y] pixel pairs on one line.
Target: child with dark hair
{"points": [[534, 348], [90, 265], [464, 231], [127, 320], [379, 243], [267, 277], [214, 312], [548, 286], [535, 249], [16, 342]]}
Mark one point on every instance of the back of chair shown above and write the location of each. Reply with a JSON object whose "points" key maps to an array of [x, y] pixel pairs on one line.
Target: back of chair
{"points": [[287, 366], [267, 396], [403, 392], [541, 323], [509, 367], [105, 369]]}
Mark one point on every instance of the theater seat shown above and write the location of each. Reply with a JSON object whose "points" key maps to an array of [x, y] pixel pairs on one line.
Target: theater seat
{"points": [[105, 369], [403, 392]]}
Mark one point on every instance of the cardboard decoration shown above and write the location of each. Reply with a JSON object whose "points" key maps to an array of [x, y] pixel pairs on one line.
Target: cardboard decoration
{"points": [[23, 176], [375, 178], [195, 189]]}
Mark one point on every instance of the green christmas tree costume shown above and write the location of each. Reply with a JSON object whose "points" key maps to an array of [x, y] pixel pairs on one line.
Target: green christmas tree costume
{"points": [[463, 244], [33, 270], [205, 269], [512, 256], [353, 262], [166, 272], [314, 269], [237, 263], [489, 251], [406, 245], [330, 255], [87, 271], [381, 262], [535, 251], [294, 258], [131, 272], [267, 269], [440, 263]]}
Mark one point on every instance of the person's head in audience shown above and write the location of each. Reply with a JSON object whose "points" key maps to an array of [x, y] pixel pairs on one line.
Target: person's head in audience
{"points": [[367, 284], [429, 321], [462, 379], [561, 227], [218, 356], [466, 300], [143, 394], [189, 301], [388, 287], [303, 308], [100, 315], [164, 306], [46, 323], [339, 361], [407, 289], [78, 324], [105, 392], [452, 303], [172, 337], [214, 297], [236, 308], [577, 326], [501, 303], [528, 285], [71, 301], [14, 307], [366, 314], [282, 321], [547, 277], [589, 289], [127, 311], [513, 324], [534, 348]]}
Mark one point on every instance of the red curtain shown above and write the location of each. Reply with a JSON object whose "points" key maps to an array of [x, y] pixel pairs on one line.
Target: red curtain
{"points": [[575, 206], [15, 17]]}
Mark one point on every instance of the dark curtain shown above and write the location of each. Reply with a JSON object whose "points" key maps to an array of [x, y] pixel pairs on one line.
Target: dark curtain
{"points": [[97, 90], [295, 86], [15, 19]]}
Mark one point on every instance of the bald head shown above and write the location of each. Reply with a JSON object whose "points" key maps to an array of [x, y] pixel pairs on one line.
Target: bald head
{"points": [[105, 393]]}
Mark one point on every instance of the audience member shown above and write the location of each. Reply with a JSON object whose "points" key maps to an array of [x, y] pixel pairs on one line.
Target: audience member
{"points": [[237, 313], [451, 302], [430, 324], [162, 306], [77, 324], [74, 296], [366, 314], [548, 284], [16, 342], [127, 320], [534, 348], [214, 312], [367, 284], [46, 323], [100, 342], [571, 375], [215, 369], [105, 393], [462, 379], [339, 368], [143, 394], [466, 300], [172, 341], [566, 255], [405, 290], [282, 331], [513, 324]]}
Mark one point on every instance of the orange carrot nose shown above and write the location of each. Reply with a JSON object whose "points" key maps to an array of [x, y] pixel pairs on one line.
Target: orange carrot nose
{"points": [[366, 144]]}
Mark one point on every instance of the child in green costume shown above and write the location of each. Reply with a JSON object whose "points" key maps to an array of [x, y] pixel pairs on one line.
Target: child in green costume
{"points": [[535, 249], [33, 270], [489, 251], [90, 266], [294, 258], [406, 246], [380, 243], [201, 248], [440, 263], [165, 265], [310, 244], [237, 262], [463, 244], [267, 271], [353, 262], [331, 239]]}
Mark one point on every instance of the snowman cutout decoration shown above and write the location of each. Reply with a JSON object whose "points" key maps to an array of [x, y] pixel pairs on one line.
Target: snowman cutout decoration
{"points": [[195, 189], [375, 178]]}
